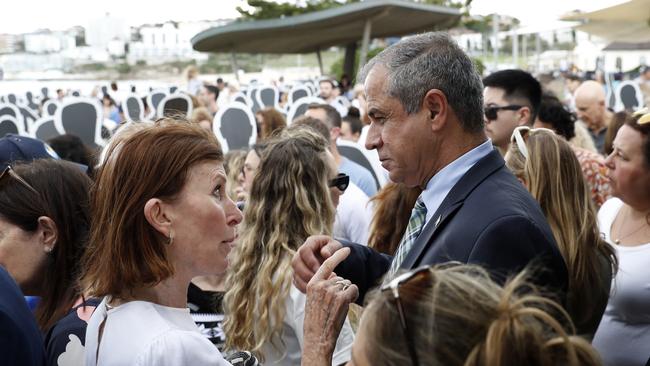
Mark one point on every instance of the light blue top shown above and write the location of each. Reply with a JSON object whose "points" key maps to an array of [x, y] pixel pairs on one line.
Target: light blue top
{"points": [[442, 182], [359, 176]]}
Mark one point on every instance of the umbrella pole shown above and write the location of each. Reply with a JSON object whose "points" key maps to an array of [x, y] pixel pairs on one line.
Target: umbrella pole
{"points": [[233, 62], [320, 61], [365, 41]]}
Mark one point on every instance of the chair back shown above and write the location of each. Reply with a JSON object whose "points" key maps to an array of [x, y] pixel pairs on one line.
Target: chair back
{"points": [[299, 107], [235, 126], [133, 108], [174, 105], [81, 117]]}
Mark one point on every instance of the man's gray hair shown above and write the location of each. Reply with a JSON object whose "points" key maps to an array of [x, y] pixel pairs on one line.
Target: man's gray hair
{"points": [[432, 61]]}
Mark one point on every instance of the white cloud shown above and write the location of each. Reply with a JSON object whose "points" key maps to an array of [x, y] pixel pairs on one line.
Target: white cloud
{"points": [[29, 15], [537, 13]]}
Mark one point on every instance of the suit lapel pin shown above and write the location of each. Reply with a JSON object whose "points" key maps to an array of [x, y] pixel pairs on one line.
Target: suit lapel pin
{"points": [[437, 221]]}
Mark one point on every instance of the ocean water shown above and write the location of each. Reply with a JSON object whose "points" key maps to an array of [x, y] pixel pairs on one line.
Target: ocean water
{"points": [[84, 87]]}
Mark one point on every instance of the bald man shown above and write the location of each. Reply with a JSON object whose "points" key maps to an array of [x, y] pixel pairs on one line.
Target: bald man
{"points": [[590, 105]]}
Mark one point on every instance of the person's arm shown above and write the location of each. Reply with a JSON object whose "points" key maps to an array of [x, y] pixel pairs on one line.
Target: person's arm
{"points": [[364, 266]]}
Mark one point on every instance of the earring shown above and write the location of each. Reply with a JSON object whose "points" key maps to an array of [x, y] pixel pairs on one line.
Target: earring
{"points": [[170, 239], [48, 250]]}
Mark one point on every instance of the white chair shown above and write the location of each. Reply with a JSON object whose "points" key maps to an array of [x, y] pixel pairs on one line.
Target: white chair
{"points": [[11, 98], [174, 104], [9, 124], [12, 110], [81, 117], [299, 107], [153, 100], [342, 101], [298, 91], [241, 97], [50, 106], [29, 117], [133, 108], [267, 96], [628, 96], [235, 126], [44, 129], [366, 158], [30, 102], [342, 109]]}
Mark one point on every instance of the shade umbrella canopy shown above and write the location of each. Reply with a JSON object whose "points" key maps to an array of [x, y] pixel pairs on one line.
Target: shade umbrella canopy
{"points": [[323, 29], [626, 22]]}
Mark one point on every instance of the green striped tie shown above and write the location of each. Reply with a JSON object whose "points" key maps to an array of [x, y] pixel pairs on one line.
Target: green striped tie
{"points": [[416, 223]]}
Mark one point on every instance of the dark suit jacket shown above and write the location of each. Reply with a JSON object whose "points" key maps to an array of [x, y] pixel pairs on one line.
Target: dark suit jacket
{"points": [[488, 218], [21, 343]]}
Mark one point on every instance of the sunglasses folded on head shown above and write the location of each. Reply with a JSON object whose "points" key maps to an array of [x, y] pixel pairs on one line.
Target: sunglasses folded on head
{"points": [[9, 172]]}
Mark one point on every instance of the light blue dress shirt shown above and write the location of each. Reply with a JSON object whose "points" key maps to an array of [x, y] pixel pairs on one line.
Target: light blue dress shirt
{"points": [[442, 182]]}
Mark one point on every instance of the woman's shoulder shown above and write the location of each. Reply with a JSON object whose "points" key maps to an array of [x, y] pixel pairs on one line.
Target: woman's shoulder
{"points": [[180, 347], [608, 212], [67, 337]]}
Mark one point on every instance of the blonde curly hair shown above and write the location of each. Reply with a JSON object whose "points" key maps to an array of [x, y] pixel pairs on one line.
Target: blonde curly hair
{"points": [[289, 201]]}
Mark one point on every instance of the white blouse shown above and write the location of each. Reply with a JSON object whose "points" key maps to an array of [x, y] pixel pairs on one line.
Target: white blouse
{"points": [[623, 335], [292, 336], [144, 333]]}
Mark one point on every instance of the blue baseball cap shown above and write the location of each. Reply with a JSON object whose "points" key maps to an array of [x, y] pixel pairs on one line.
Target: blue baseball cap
{"points": [[14, 148]]}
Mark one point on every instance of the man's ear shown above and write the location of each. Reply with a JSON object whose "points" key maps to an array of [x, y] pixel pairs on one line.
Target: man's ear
{"points": [[335, 132], [155, 211], [435, 104], [47, 233], [524, 116]]}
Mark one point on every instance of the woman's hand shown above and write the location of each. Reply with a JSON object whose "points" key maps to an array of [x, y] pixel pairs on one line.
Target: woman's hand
{"points": [[328, 300]]}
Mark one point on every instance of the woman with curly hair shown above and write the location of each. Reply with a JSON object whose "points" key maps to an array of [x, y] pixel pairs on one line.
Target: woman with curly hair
{"points": [[290, 200]]}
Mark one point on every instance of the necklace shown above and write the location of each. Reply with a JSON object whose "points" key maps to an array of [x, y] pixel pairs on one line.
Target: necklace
{"points": [[617, 241]]}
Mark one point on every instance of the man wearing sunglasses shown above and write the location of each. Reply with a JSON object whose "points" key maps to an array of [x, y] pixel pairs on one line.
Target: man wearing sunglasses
{"points": [[426, 110], [511, 99]]}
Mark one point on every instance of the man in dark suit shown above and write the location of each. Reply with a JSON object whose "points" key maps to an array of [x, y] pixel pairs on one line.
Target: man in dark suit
{"points": [[21, 342], [426, 109]]}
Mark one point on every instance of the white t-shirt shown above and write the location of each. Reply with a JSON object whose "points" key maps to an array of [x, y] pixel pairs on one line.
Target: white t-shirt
{"points": [[353, 216], [143, 333], [623, 335], [292, 336]]}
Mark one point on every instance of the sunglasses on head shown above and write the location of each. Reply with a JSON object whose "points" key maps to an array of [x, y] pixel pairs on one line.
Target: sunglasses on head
{"points": [[9, 172], [393, 286], [645, 116], [491, 112], [520, 134], [342, 181]]}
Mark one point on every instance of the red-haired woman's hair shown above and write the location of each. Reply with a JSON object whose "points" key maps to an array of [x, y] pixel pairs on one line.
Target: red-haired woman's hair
{"points": [[125, 252]]}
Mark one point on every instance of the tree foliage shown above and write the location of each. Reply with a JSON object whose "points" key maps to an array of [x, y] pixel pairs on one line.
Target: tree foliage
{"points": [[263, 9]]}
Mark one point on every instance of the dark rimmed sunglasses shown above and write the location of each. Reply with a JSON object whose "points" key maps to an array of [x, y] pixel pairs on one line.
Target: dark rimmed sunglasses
{"points": [[342, 181], [491, 112], [9, 172], [393, 286]]}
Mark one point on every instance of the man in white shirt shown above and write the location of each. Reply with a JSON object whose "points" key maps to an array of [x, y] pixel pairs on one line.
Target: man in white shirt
{"points": [[353, 214]]}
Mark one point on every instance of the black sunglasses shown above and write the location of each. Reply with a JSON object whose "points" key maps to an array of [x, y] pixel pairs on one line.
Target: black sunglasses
{"points": [[393, 287], [8, 171], [491, 112], [342, 181]]}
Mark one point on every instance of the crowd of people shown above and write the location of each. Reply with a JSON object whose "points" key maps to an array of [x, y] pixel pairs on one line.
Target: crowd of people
{"points": [[514, 229]]}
